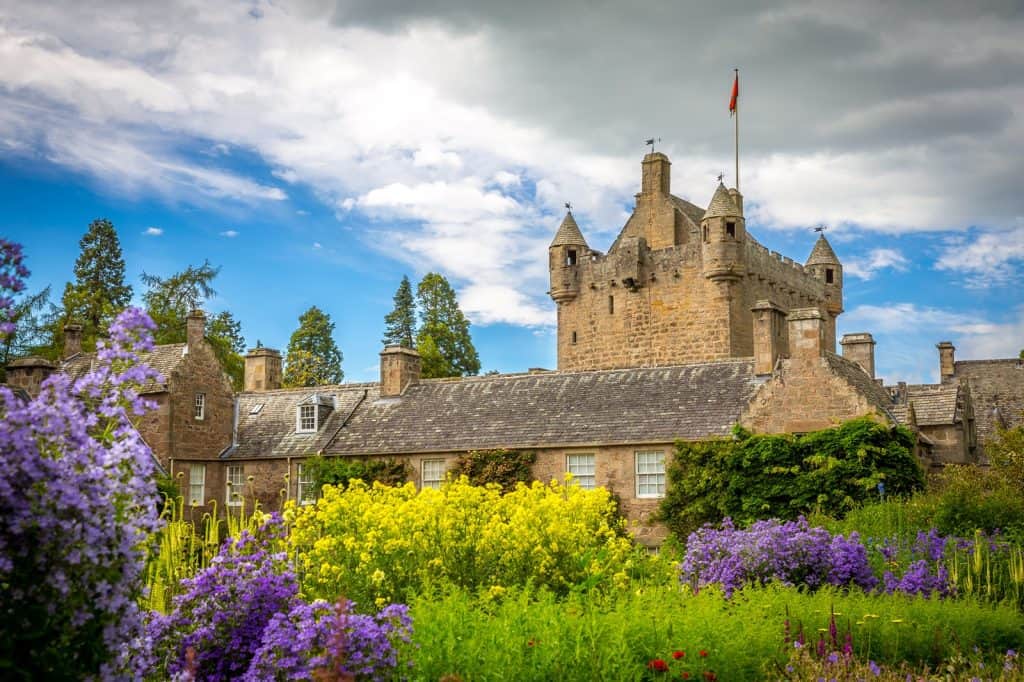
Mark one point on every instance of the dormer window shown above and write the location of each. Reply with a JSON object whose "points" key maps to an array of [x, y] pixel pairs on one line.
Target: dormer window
{"points": [[306, 419], [730, 229], [570, 257]]}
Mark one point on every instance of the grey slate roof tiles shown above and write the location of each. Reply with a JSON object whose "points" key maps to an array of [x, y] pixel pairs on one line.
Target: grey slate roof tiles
{"points": [[822, 253], [934, 404], [859, 379], [721, 204], [163, 358], [568, 233]]}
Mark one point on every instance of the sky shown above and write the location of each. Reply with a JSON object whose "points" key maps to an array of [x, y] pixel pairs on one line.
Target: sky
{"points": [[318, 151]]}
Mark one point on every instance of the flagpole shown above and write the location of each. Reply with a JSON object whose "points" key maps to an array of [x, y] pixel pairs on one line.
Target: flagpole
{"points": [[737, 133]]}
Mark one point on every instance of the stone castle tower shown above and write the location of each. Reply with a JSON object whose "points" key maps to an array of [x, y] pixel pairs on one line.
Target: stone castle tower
{"points": [[680, 283]]}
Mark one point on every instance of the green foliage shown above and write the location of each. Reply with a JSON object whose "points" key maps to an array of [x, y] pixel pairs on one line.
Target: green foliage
{"points": [[169, 300], [762, 476], [313, 358], [340, 470], [224, 334], [1006, 453], [443, 340], [35, 318], [504, 467], [969, 498], [401, 321], [99, 291]]}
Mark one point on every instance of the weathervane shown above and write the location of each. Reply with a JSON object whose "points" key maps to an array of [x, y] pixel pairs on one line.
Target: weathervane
{"points": [[568, 206], [651, 142], [820, 228], [720, 176]]}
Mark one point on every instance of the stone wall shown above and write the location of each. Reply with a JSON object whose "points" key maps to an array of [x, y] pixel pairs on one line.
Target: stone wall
{"points": [[949, 443]]}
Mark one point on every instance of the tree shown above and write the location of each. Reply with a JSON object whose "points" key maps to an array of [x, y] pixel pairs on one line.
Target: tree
{"points": [[169, 300], [313, 358], [224, 334], [443, 340], [401, 321], [99, 291], [34, 318]]}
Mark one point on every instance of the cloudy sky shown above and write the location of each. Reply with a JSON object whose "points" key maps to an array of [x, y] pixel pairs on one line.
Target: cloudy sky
{"points": [[318, 151]]}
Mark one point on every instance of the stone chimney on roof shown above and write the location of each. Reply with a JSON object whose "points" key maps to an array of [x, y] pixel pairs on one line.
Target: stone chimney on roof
{"points": [[860, 348], [195, 327], [806, 333], [72, 340], [947, 364], [262, 369], [769, 336], [28, 373], [657, 174], [399, 369]]}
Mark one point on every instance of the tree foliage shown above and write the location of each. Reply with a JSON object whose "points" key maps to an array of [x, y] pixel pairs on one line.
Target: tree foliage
{"points": [[1006, 454], [99, 291], [169, 300], [443, 340], [34, 318], [340, 470], [504, 467], [313, 358], [782, 476], [400, 323], [224, 334]]}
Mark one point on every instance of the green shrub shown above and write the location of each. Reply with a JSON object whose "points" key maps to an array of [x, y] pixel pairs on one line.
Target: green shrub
{"points": [[504, 467], [340, 470], [762, 476]]}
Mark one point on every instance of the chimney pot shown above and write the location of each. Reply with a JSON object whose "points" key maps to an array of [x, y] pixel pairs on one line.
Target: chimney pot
{"points": [[399, 368], [195, 328]]}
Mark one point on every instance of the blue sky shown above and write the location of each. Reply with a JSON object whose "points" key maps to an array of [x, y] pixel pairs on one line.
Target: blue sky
{"points": [[318, 152]]}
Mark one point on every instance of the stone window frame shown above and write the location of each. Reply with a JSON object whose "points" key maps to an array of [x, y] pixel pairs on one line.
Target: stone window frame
{"points": [[234, 483], [197, 483], [305, 486], [583, 471], [199, 407], [306, 422], [432, 473], [649, 470]]}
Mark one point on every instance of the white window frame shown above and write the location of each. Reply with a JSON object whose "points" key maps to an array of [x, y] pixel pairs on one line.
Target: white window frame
{"points": [[649, 469], [582, 466], [197, 483], [199, 407], [305, 490], [430, 466], [234, 482], [299, 418]]}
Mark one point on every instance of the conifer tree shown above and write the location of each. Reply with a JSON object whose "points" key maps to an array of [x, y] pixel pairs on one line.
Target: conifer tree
{"points": [[169, 300], [443, 340], [313, 358], [401, 321], [99, 291], [224, 334]]}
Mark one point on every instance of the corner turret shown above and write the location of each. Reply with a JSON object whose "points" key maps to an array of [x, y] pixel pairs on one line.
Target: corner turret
{"points": [[826, 268], [723, 235], [564, 256]]}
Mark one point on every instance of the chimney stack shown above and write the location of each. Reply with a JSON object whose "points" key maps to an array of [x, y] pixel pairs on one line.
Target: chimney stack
{"points": [[860, 348], [72, 340], [769, 336], [947, 366], [657, 175], [399, 368], [806, 333], [195, 326], [262, 369], [28, 373]]}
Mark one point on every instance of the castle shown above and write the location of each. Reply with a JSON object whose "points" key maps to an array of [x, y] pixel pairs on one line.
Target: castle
{"points": [[686, 327]]}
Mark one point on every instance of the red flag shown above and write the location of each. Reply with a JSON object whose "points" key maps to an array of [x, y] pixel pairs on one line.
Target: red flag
{"points": [[735, 94]]}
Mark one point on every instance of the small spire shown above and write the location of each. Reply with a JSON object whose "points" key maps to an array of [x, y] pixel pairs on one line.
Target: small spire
{"points": [[569, 232], [722, 204], [822, 253]]}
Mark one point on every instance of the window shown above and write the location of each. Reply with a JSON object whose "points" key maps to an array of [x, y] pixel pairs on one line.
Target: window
{"points": [[200, 406], [307, 486], [574, 338], [432, 473], [582, 468], [611, 304], [730, 228], [307, 418], [705, 233], [235, 486], [197, 484], [570, 257], [650, 473], [830, 276]]}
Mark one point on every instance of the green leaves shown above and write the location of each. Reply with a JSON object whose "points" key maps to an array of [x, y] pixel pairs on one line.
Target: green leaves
{"points": [[313, 358], [443, 340]]}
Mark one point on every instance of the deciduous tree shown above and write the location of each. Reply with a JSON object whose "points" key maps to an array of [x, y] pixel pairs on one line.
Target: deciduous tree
{"points": [[169, 300], [313, 357], [443, 340]]}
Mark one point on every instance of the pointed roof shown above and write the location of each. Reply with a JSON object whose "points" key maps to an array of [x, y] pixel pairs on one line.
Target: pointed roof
{"points": [[569, 233], [822, 253], [721, 204]]}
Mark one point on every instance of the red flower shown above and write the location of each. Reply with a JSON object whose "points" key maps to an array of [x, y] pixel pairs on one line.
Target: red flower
{"points": [[686, 675], [710, 676], [658, 665], [703, 653], [531, 643], [678, 654]]}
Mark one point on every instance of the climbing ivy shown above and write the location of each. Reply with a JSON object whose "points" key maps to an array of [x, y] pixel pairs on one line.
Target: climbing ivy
{"points": [[504, 467]]}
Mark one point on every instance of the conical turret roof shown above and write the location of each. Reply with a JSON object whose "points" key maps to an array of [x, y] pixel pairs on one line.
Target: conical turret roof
{"points": [[569, 233], [721, 204], [822, 253]]}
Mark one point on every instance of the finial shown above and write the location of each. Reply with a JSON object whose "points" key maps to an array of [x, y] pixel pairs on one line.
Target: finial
{"points": [[568, 206], [651, 142], [820, 229], [259, 344], [720, 176]]}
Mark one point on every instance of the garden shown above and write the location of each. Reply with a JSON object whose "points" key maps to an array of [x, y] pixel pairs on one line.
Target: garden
{"points": [[803, 558]]}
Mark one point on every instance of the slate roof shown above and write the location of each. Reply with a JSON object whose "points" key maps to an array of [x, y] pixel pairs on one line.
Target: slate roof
{"points": [[569, 233], [862, 381], [934, 404], [692, 211], [995, 384], [163, 358], [550, 409], [721, 204], [822, 253]]}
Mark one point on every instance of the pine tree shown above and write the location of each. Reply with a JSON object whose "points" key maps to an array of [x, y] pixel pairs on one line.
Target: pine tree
{"points": [[313, 358], [169, 300], [443, 341], [401, 321], [99, 291]]}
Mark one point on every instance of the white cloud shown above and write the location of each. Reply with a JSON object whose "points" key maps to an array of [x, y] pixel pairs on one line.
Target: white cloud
{"points": [[986, 258], [867, 266], [230, 234], [317, 245], [153, 231]]}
